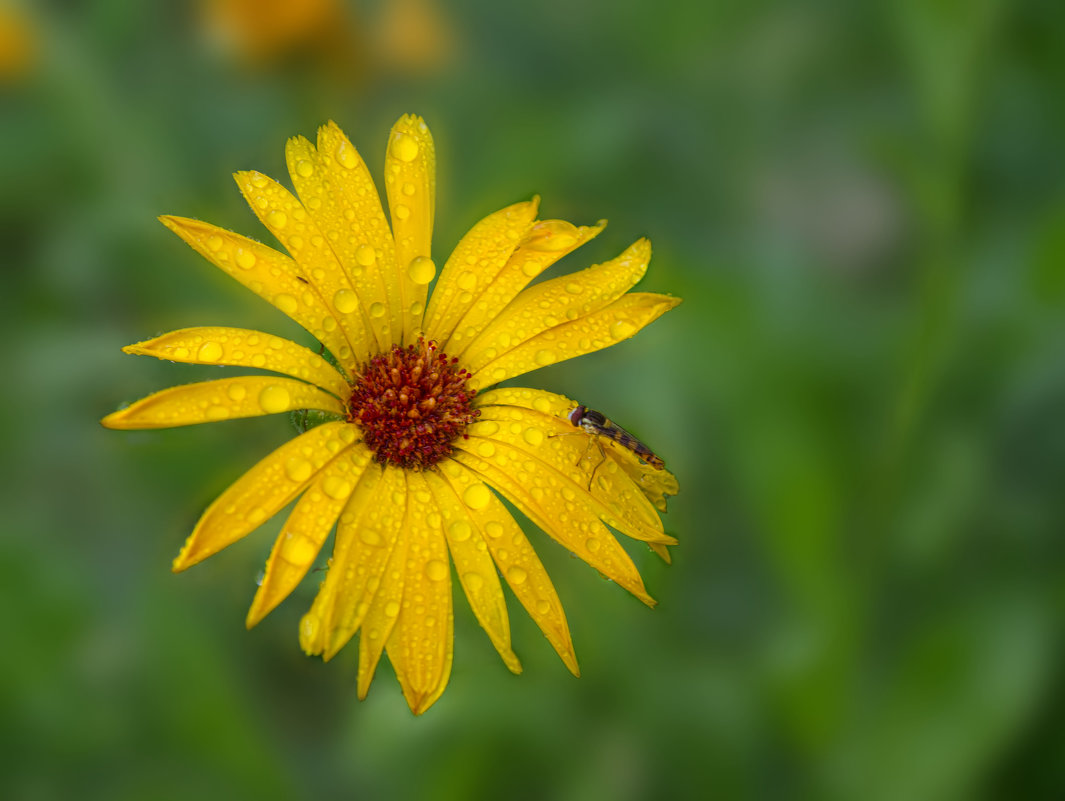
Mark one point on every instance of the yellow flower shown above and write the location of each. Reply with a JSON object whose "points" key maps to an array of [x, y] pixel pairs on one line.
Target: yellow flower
{"points": [[415, 439]]}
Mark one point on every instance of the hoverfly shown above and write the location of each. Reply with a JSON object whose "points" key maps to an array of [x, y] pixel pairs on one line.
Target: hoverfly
{"points": [[598, 425]]}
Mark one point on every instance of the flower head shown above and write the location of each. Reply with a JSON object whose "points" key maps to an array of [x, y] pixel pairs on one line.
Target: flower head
{"points": [[417, 450]]}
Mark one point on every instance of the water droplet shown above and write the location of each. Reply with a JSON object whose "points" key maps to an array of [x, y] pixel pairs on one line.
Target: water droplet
{"points": [[305, 168], [214, 243], [517, 575], [467, 281], [436, 570], [545, 357], [298, 469], [551, 236], [460, 531], [345, 301], [421, 270], [365, 255], [574, 288], [404, 147], [622, 329], [408, 189], [593, 544], [346, 155], [277, 218], [237, 392], [402, 212], [486, 449], [476, 496], [473, 581], [370, 536], [309, 624], [392, 608], [245, 259], [533, 436], [336, 487], [377, 310], [493, 529], [274, 399], [286, 303], [298, 550], [214, 413]]}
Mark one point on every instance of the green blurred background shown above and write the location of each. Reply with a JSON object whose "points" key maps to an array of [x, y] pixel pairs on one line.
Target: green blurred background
{"points": [[863, 207]]}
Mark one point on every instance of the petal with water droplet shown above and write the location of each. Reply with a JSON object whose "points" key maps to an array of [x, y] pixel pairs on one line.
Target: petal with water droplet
{"points": [[486, 248], [475, 568], [575, 337], [240, 347], [509, 548], [262, 492], [209, 401], [307, 527], [271, 275], [421, 644]]}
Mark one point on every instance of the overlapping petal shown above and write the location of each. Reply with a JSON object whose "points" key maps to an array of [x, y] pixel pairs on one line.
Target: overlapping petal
{"points": [[306, 529], [476, 261], [222, 399], [271, 275], [240, 347], [608, 326], [284, 216], [264, 490]]}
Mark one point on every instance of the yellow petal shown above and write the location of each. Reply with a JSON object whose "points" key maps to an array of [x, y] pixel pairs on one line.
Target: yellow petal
{"points": [[475, 569], [223, 399], [263, 491], [410, 181], [579, 464], [294, 228], [477, 260], [656, 485], [354, 569], [342, 201], [515, 557], [600, 329], [306, 529], [420, 646], [566, 298], [384, 608], [239, 347], [540, 494], [271, 275], [545, 243]]}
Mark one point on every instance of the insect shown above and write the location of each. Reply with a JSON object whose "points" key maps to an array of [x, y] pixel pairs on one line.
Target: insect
{"points": [[598, 425]]}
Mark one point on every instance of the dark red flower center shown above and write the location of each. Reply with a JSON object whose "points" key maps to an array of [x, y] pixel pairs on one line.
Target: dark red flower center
{"points": [[411, 404]]}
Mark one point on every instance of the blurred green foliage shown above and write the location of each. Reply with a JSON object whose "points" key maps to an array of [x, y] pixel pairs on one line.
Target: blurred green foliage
{"points": [[863, 206]]}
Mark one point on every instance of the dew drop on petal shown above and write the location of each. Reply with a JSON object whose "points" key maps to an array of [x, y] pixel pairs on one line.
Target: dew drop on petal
{"points": [[336, 487], [392, 608], [305, 168], [421, 270], [473, 581], [214, 243], [274, 399], [574, 288], [298, 469], [346, 155], [298, 550], [622, 329], [460, 531], [209, 352], [476, 496], [467, 280], [533, 436], [545, 357], [216, 413], [377, 309], [493, 530], [516, 575], [345, 301], [404, 147], [365, 255], [309, 625], [543, 607], [245, 259], [436, 570], [287, 303], [237, 392], [277, 218], [370, 536], [402, 212]]}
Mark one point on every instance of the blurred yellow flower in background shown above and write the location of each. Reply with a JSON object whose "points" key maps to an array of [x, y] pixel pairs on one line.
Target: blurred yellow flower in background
{"points": [[414, 438]]}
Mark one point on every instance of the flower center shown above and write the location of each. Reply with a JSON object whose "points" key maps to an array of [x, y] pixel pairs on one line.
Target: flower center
{"points": [[411, 404]]}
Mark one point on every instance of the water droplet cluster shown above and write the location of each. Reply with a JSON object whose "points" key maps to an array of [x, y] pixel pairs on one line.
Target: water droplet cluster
{"points": [[411, 404]]}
